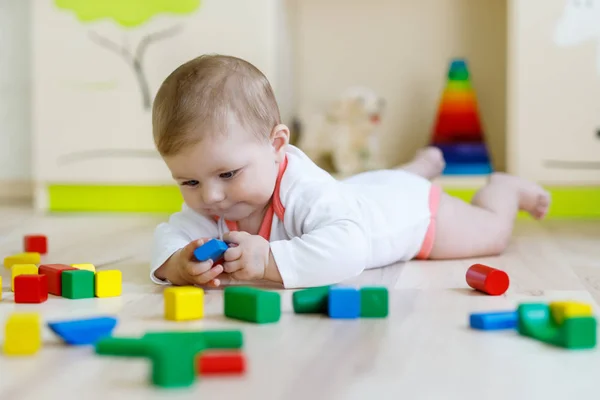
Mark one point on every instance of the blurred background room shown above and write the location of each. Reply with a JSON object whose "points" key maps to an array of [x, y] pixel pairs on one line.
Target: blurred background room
{"points": [[509, 85]]}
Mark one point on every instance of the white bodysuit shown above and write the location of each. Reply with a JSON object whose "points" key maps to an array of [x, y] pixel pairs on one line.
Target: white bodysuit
{"points": [[322, 230]]}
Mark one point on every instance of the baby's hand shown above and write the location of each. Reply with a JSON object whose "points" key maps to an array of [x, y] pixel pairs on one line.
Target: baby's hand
{"points": [[188, 270], [249, 259]]}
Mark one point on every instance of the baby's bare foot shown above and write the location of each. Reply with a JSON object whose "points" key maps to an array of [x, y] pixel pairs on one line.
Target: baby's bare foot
{"points": [[532, 197], [428, 163]]}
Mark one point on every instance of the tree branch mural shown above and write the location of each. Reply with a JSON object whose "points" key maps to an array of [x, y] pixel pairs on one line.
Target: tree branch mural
{"points": [[130, 14]]}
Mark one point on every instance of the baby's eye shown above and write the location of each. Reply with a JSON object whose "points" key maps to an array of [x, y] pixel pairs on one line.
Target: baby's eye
{"points": [[228, 175], [190, 183]]}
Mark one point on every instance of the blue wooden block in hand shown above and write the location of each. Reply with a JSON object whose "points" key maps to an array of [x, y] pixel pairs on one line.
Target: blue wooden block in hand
{"points": [[493, 321], [344, 302], [213, 249]]}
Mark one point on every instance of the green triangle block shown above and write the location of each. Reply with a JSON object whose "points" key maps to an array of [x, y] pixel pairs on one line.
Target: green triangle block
{"points": [[311, 301]]}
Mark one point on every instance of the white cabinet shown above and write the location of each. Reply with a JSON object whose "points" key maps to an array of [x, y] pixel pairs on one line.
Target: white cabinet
{"points": [[94, 80], [554, 91]]}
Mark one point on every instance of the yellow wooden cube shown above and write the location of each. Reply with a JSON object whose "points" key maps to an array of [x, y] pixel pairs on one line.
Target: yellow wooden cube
{"points": [[108, 283], [23, 334], [87, 267], [22, 269], [184, 303], [22, 258], [561, 310]]}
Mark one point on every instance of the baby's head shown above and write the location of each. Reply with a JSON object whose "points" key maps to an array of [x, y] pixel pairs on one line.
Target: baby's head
{"points": [[216, 123]]}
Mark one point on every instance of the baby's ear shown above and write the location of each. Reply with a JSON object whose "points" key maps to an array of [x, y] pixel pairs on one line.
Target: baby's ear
{"points": [[280, 138]]}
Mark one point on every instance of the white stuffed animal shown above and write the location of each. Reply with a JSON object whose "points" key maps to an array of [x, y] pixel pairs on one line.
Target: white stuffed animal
{"points": [[348, 132]]}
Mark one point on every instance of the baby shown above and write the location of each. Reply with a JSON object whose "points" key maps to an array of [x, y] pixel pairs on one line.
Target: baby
{"points": [[216, 124]]}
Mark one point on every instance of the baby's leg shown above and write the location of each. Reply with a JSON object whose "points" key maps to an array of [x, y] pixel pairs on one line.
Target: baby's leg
{"points": [[428, 163], [484, 227]]}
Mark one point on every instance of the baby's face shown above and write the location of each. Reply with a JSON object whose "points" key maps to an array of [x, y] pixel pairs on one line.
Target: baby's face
{"points": [[231, 176]]}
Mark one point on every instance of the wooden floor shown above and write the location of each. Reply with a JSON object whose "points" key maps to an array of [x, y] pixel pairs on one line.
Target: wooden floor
{"points": [[424, 350]]}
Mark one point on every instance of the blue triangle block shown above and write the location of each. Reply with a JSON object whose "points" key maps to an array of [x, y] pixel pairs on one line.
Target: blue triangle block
{"points": [[212, 249], [84, 331]]}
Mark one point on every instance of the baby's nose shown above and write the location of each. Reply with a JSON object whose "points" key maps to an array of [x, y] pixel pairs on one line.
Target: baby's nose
{"points": [[212, 196]]}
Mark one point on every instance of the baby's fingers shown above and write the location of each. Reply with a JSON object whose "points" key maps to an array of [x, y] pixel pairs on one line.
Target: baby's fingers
{"points": [[232, 266], [208, 276], [198, 268], [233, 253]]}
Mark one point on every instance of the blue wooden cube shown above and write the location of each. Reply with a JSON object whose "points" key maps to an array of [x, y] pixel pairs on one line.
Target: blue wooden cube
{"points": [[344, 302], [213, 249]]}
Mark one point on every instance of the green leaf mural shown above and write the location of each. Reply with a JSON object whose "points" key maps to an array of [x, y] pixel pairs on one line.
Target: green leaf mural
{"points": [[129, 14]]}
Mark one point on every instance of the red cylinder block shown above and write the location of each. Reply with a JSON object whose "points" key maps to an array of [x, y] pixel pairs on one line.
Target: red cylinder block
{"points": [[487, 279]]}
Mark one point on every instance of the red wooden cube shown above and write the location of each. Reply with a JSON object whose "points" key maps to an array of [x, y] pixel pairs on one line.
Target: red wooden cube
{"points": [[31, 288], [35, 244], [221, 362], [54, 274]]}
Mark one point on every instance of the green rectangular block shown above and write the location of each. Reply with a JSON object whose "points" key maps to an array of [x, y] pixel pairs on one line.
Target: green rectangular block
{"points": [[374, 302], [311, 301], [252, 305], [77, 284]]}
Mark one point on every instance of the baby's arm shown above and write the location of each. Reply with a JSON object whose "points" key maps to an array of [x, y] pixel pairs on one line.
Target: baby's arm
{"points": [[174, 243], [332, 243]]}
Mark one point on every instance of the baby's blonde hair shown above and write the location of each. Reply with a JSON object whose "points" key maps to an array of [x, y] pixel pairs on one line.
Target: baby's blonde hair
{"points": [[198, 97]]}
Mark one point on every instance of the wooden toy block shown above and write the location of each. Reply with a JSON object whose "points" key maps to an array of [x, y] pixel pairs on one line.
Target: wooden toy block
{"points": [[487, 279], [83, 331], [374, 302], [561, 310], [23, 334], [22, 269], [577, 333], [35, 243], [490, 321], [223, 339], [108, 283], [213, 249], [173, 354], [252, 305], [183, 303], [344, 302], [31, 288], [22, 258], [221, 362], [54, 274], [85, 267], [311, 301], [535, 321], [77, 284]]}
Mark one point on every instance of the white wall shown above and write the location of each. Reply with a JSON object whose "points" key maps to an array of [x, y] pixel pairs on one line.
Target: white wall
{"points": [[401, 49], [15, 72]]}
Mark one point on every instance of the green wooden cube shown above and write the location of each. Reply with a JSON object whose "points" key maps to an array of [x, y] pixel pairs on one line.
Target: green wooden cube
{"points": [[577, 333], [374, 302], [252, 305], [311, 301], [77, 284]]}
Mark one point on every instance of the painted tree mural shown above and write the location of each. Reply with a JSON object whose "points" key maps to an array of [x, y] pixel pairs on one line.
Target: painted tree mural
{"points": [[129, 14]]}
